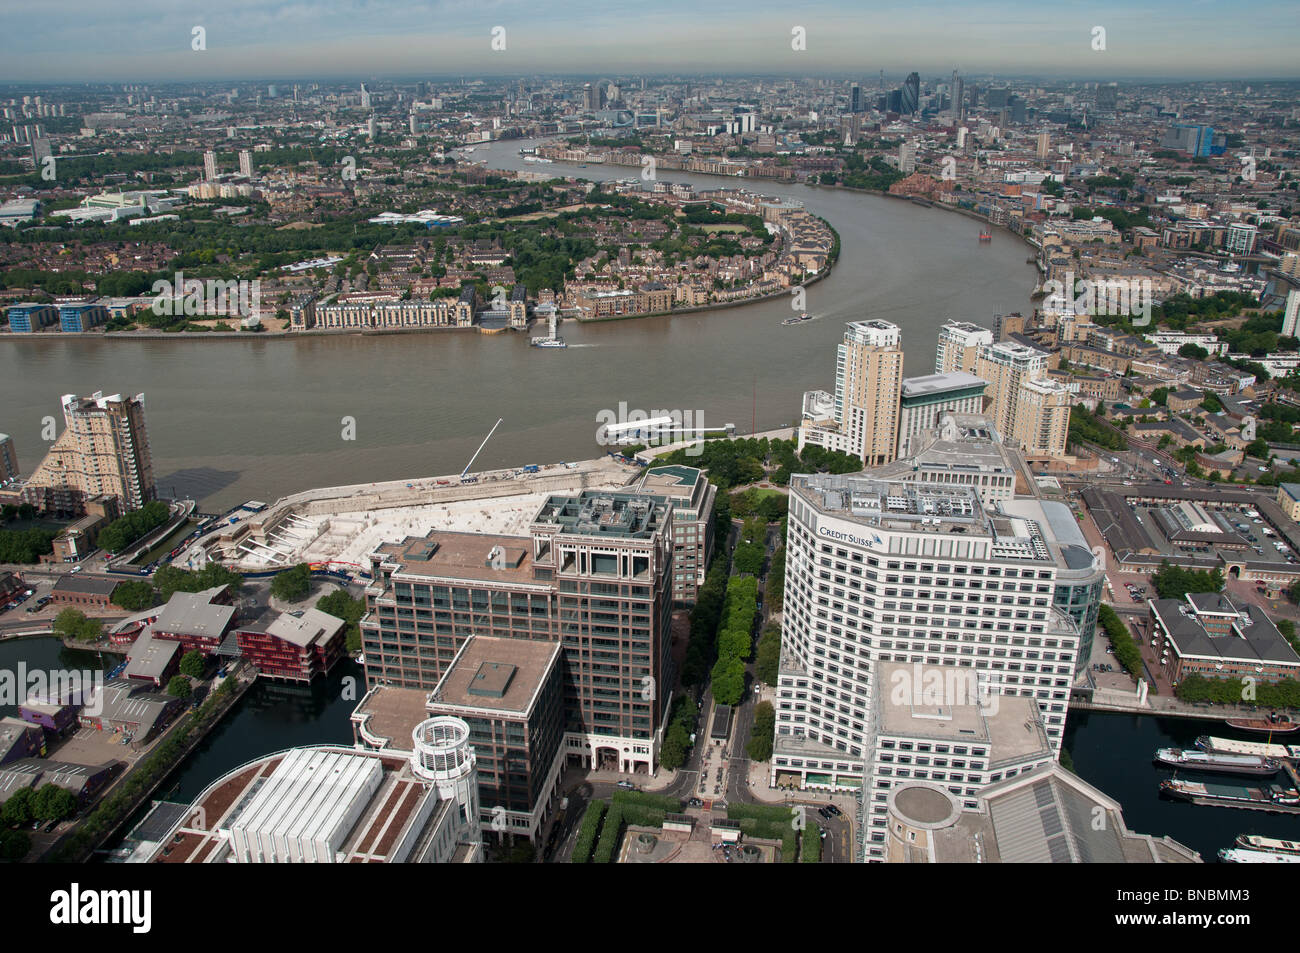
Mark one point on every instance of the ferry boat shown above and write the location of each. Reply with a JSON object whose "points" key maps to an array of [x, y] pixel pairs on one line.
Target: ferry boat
{"points": [[548, 342], [986, 236], [1270, 798], [1271, 845], [1235, 855], [1274, 723], [802, 317], [1218, 761]]}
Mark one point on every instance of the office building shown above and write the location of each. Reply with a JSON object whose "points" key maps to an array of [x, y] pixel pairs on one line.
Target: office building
{"points": [[595, 575], [925, 399], [910, 102], [1207, 634], [934, 724], [961, 449], [1195, 140], [868, 384], [510, 692], [896, 572], [1045, 816], [103, 450], [692, 497]]}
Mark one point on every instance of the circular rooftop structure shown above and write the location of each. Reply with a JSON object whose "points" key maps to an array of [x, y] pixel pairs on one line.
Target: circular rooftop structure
{"points": [[923, 806], [441, 747]]}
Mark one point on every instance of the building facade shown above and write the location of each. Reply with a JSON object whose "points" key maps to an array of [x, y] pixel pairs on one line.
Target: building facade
{"points": [[879, 572], [103, 450]]}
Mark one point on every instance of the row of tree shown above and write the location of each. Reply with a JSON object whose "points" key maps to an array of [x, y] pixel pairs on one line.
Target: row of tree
{"points": [[129, 527], [735, 639]]}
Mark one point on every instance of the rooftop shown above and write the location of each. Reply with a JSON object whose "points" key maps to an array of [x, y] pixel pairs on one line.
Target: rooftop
{"points": [[195, 613], [463, 556], [500, 674], [593, 513], [933, 386]]}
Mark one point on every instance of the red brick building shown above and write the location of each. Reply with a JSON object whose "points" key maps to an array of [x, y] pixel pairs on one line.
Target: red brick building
{"points": [[294, 647]]}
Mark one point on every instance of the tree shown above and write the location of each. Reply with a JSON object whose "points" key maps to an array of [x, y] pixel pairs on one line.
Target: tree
{"points": [[73, 624], [179, 687], [767, 662], [292, 584], [53, 803], [728, 680], [135, 595], [760, 742], [18, 809], [192, 664], [342, 606], [14, 845]]}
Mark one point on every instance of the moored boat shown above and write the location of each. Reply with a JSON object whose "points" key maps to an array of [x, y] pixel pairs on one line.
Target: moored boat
{"points": [[1218, 761], [1273, 845], [1274, 724], [1236, 855], [1263, 798]]}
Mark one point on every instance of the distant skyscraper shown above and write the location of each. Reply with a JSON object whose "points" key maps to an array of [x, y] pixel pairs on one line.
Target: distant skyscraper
{"points": [[210, 166], [365, 97], [271, 91], [855, 98], [958, 98], [1107, 97], [907, 157], [911, 101], [40, 151], [246, 164], [1291, 317], [588, 97], [372, 127], [1044, 145]]}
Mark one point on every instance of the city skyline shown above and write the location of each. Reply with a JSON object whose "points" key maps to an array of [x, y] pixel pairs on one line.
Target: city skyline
{"points": [[343, 38]]}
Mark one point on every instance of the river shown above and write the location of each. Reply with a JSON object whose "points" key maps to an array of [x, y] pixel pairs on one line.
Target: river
{"points": [[231, 419]]}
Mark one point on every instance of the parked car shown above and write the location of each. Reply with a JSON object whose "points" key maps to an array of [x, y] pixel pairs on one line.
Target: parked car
{"points": [[627, 785]]}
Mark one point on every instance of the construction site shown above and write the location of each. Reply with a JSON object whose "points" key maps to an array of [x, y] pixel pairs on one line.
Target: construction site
{"points": [[336, 528]]}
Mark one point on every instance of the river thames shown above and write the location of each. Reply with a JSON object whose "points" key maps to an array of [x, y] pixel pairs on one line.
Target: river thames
{"points": [[231, 419]]}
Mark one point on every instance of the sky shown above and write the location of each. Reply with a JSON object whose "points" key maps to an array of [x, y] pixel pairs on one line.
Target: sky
{"points": [[153, 40]]}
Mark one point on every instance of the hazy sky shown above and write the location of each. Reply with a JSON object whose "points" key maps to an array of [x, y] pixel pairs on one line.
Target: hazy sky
{"points": [[88, 40]]}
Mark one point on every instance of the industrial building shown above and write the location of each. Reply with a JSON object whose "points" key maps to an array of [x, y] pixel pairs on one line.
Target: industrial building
{"points": [[330, 804]]}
